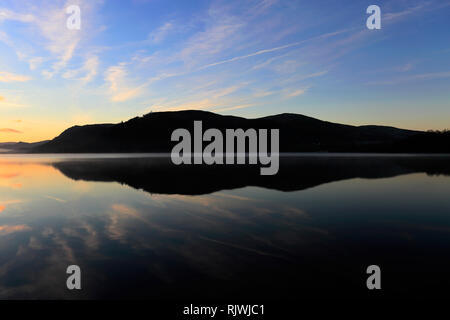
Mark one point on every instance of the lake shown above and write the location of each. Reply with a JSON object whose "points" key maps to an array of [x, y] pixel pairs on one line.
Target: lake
{"points": [[140, 227]]}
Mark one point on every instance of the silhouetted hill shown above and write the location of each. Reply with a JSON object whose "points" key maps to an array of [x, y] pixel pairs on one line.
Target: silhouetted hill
{"points": [[298, 133]]}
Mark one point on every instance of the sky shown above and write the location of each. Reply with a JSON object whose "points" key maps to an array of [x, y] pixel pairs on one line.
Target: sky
{"points": [[249, 58]]}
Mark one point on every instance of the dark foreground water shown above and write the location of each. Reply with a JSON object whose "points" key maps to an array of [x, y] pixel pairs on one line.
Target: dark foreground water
{"points": [[143, 228]]}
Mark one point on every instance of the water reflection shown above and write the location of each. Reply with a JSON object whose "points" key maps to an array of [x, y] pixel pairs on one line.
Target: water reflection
{"points": [[139, 228], [296, 173]]}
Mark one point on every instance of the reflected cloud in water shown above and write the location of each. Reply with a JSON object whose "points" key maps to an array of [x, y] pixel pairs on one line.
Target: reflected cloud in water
{"points": [[139, 228]]}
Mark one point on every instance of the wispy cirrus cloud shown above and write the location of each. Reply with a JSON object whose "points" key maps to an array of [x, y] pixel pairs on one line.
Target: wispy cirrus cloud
{"points": [[394, 16], [12, 77], [8, 229], [6, 14], [415, 77], [6, 204], [61, 41], [311, 75], [5, 103], [227, 39], [9, 130], [119, 87], [221, 32], [406, 67], [242, 106], [263, 5], [49, 20], [296, 92], [33, 62], [270, 50], [86, 73], [48, 29], [162, 32]]}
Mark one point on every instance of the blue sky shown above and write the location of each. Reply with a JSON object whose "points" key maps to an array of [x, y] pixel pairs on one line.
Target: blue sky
{"points": [[247, 58]]}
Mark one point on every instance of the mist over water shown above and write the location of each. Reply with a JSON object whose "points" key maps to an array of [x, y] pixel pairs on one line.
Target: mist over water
{"points": [[141, 227]]}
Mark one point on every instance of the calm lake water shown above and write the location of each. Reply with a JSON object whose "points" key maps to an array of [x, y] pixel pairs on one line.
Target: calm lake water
{"points": [[143, 228]]}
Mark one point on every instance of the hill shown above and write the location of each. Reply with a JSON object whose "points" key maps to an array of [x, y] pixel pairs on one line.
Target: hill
{"points": [[298, 133], [19, 147]]}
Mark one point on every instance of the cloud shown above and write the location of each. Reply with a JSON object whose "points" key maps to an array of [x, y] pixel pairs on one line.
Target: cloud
{"points": [[242, 106], [9, 130], [313, 75], [89, 69], [48, 29], [264, 51], [263, 6], [5, 39], [251, 55], [114, 75], [124, 209], [56, 199], [416, 77], [11, 77], [5, 103], [394, 16], [268, 62], [161, 33], [405, 68], [221, 32], [126, 94], [65, 55], [50, 21], [262, 93], [7, 229], [296, 93], [289, 82], [61, 41], [35, 62], [225, 91], [13, 105], [5, 204], [119, 88], [6, 14]]}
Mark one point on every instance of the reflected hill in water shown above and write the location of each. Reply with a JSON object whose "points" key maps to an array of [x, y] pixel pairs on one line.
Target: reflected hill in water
{"points": [[159, 175]]}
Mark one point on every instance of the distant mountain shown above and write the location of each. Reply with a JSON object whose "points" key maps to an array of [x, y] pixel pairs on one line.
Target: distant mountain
{"points": [[19, 147], [298, 133]]}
